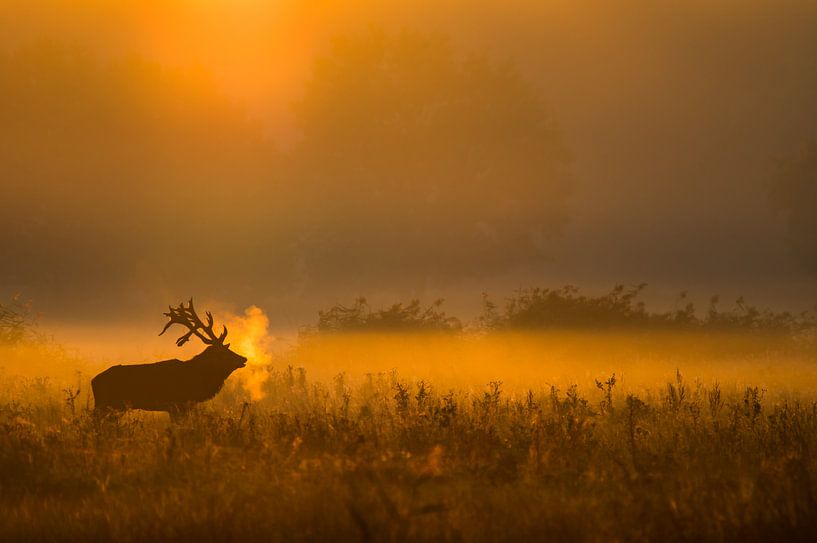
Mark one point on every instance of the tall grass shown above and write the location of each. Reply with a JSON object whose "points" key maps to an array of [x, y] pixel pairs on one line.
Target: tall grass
{"points": [[391, 459]]}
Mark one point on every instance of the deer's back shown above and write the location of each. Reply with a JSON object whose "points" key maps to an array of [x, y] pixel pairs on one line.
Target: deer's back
{"points": [[157, 386]]}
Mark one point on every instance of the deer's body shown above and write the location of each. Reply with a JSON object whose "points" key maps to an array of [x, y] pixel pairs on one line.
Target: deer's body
{"points": [[170, 385]]}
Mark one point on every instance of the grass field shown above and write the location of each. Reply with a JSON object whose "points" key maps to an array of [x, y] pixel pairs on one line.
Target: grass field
{"points": [[417, 437]]}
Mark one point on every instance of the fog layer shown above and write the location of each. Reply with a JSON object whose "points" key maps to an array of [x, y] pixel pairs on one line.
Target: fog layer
{"points": [[297, 154]]}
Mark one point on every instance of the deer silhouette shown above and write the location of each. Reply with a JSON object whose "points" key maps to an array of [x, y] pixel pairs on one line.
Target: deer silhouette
{"points": [[170, 385]]}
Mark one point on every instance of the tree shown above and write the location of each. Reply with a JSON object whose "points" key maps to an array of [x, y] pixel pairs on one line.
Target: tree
{"points": [[120, 171], [794, 192], [415, 162]]}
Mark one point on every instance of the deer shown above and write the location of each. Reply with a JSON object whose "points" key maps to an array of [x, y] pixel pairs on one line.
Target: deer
{"points": [[174, 386]]}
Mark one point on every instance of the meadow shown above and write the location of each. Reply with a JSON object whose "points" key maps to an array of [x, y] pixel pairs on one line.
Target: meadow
{"points": [[566, 435]]}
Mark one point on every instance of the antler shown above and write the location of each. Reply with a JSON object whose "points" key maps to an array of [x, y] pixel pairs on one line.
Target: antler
{"points": [[187, 317]]}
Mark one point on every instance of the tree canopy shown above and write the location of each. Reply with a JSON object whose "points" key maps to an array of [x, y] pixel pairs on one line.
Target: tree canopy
{"points": [[794, 192], [414, 159]]}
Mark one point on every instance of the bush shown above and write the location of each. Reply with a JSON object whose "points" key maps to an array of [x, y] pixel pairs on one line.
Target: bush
{"points": [[544, 308], [16, 321], [410, 317]]}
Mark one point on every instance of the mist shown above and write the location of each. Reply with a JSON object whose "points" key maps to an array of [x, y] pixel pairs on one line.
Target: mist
{"points": [[298, 154]]}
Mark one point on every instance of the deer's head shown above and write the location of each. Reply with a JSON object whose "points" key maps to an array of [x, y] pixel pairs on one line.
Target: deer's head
{"points": [[217, 353]]}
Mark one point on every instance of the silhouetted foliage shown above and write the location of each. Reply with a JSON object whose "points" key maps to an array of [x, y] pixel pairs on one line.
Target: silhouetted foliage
{"points": [[543, 308], [399, 317], [566, 307], [16, 321]]}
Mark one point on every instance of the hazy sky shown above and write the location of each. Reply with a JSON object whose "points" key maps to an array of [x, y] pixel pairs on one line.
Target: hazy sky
{"points": [[241, 152]]}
